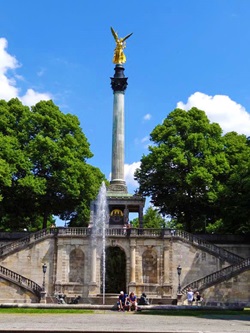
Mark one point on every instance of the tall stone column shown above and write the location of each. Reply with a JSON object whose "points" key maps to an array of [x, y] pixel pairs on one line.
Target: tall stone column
{"points": [[93, 288], [132, 263], [93, 265], [166, 265], [119, 85]]}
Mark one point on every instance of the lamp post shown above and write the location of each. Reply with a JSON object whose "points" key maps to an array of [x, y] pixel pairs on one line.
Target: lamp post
{"points": [[179, 277], [44, 272]]}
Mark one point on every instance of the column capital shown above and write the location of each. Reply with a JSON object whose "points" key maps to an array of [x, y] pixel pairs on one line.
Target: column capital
{"points": [[119, 81]]}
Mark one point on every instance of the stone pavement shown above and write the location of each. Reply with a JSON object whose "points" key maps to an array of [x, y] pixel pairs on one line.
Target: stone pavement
{"points": [[111, 321]]}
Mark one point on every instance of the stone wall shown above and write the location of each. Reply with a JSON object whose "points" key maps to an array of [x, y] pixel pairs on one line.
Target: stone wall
{"points": [[195, 263], [28, 262], [11, 293], [242, 250], [151, 267], [235, 291]]}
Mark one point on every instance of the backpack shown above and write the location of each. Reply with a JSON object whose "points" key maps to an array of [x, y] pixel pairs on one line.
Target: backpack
{"points": [[143, 300]]}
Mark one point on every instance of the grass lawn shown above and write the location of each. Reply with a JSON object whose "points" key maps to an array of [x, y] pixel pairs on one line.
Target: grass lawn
{"points": [[42, 311], [182, 312], [197, 313]]}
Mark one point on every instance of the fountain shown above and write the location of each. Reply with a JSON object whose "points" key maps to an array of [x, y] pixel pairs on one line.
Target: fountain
{"points": [[100, 223]]}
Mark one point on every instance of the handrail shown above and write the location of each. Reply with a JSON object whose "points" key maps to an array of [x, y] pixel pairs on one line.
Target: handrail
{"points": [[198, 241], [74, 231], [120, 232], [41, 234], [167, 233], [20, 280], [221, 275]]}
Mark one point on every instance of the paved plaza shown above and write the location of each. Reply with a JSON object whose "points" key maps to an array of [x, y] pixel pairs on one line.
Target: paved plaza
{"points": [[110, 321]]}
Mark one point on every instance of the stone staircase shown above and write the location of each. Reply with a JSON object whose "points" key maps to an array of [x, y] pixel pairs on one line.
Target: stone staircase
{"points": [[20, 281], [20, 244], [238, 263], [85, 232], [218, 276], [209, 247], [16, 246]]}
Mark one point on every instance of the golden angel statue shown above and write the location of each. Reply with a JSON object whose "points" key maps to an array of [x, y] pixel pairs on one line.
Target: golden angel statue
{"points": [[119, 56]]}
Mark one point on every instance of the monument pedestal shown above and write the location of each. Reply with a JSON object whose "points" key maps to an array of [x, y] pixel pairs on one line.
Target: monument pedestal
{"points": [[43, 296], [93, 289], [179, 299]]}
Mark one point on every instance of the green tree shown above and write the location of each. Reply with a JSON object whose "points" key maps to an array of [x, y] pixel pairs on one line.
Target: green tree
{"points": [[151, 219], [234, 200], [47, 160], [185, 168], [15, 166]]}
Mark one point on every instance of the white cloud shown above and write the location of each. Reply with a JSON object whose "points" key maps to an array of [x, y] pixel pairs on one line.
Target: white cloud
{"points": [[220, 109], [6, 60], [8, 83], [129, 170], [7, 87], [145, 139], [32, 97], [41, 72], [147, 116]]}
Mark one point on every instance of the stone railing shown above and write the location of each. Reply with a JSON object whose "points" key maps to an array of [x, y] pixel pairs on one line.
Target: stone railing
{"points": [[121, 232], [30, 238], [218, 276], [156, 233], [77, 231], [213, 249], [20, 280], [168, 233]]}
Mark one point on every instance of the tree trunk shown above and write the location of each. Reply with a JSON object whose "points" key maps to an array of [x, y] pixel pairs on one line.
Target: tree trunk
{"points": [[45, 220]]}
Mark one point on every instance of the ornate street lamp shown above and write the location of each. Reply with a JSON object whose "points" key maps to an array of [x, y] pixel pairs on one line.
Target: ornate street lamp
{"points": [[179, 278], [44, 272]]}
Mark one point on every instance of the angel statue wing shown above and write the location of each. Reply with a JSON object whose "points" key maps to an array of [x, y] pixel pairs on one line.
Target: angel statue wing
{"points": [[114, 34], [124, 38]]}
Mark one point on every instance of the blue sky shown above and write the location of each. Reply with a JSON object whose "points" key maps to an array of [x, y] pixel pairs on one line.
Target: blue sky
{"points": [[182, 53]]}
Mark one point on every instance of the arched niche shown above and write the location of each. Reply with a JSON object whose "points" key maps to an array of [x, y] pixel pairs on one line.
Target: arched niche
{"points": [[149, 266], [76, 266]]}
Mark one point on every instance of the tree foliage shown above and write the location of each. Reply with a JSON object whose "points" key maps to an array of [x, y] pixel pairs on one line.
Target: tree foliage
{"points": [[234, 200], [43, 166], [191, 168], [151, 219]]}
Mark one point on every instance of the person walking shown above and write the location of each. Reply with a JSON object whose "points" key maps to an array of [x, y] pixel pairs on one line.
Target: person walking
{"points": [[190, 296]]}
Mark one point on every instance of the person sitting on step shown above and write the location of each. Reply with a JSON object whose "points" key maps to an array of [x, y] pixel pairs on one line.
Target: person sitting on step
{"points": [[122, 301], [132, 301], [143, 300]]}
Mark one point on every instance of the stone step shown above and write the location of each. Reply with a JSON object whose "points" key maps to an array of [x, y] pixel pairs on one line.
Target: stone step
{"points": [[14, 300]]}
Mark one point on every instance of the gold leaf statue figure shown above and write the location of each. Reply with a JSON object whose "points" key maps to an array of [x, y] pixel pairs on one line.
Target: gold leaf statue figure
{"points": [[119, 56]]}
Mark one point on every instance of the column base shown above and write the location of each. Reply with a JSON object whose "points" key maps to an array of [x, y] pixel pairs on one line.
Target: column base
{"points": [[179, 299], [131, 287], [43, 297], [93, 289], [118, 186]]}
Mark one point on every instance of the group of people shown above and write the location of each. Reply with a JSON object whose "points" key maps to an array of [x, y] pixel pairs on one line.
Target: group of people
{"points": [[127, 302], [195, 298]]}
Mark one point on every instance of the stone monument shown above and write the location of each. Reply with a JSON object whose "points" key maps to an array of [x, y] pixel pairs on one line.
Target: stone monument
{"points": [[120, 202]]}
